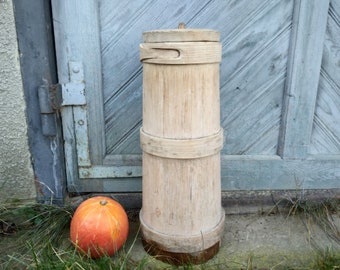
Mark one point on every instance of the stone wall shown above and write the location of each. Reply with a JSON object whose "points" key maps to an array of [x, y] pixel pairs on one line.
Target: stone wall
{"points": [[16, 173]]}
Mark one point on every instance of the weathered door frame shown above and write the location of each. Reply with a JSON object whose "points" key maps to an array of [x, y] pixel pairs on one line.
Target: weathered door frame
{"points": [[37, 58]]}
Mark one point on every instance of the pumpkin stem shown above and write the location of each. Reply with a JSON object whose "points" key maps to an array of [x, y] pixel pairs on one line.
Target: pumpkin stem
{"points": [[103, 202]]}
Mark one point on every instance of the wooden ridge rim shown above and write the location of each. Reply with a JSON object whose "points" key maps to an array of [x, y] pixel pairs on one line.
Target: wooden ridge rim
{"points": [[181, 35], [181, 148]]}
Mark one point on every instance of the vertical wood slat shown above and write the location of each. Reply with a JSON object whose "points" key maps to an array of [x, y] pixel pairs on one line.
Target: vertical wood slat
{"points": [[76, 25], [304, 64], [66, 112]]}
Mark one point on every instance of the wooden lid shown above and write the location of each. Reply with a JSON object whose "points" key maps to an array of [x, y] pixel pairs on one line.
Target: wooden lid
{"points": [[181, 35]]}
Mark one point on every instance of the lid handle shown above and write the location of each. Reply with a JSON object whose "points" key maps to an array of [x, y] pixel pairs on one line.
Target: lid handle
{"points": [[181, 53]]}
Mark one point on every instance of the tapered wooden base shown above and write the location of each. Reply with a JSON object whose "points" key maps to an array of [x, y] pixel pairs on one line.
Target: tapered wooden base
{"points": [[181, 249], [180, 258]]}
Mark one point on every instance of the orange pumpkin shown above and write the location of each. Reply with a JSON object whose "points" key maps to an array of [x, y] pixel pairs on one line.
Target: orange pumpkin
{"points": [[99, 227]]}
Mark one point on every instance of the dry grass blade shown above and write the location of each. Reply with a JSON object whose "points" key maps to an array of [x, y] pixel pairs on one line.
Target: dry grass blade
{"points": [[36, 226]]}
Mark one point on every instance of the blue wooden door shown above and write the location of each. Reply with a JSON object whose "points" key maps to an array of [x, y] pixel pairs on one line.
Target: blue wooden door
{"points": [[280, 95]]}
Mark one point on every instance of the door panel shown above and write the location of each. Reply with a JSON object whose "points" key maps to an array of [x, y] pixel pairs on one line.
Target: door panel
{"points": [[121, 27], [280, 121], [326, 125]]}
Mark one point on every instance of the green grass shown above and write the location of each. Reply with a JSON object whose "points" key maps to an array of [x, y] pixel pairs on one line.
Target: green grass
{"points": [[35, 236], [327, 260]]}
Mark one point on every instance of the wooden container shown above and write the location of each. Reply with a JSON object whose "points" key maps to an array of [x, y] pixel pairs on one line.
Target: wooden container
{"points": [[181, 218]]}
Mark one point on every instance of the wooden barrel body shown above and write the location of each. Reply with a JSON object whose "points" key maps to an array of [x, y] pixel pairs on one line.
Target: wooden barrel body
{"points": [[181, 138]]}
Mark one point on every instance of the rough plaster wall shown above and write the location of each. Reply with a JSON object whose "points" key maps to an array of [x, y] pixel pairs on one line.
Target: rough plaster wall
{"points": [[16, 174]]}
